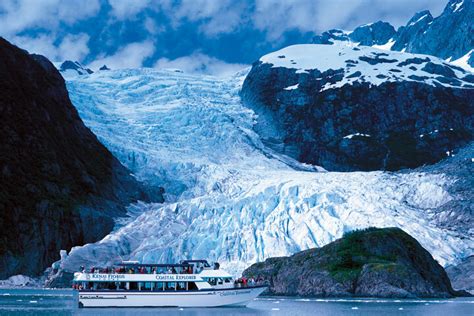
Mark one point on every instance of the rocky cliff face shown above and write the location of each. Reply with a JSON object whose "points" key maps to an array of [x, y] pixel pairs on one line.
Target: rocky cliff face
{"points": [[59, 187], [348, 108], [448, 36], [373, 262], [462, 276]]}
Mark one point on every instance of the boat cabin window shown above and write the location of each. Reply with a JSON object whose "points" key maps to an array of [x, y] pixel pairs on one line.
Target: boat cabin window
{"points": [[218, 281], [170, 286], [212, 281], [137, 286]]}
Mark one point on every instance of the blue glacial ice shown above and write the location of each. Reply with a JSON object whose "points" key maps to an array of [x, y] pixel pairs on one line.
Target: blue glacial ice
{"points": [[229, 198]]}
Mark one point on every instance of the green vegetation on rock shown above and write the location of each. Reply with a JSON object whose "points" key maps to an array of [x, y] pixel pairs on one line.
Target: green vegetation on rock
{"points": [[382, 262]]}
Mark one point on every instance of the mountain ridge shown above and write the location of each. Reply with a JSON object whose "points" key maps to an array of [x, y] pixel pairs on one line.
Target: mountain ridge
{"points": [[359, 108], [449, 36], [60, 187]]}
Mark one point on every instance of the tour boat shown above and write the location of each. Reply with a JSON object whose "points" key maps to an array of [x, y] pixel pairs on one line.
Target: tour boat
{"points": [[191, 283]]}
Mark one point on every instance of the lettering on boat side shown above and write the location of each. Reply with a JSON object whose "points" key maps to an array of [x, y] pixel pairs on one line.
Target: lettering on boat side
{"points": [[105, 276], [228, 293], [100, 297], [169, 277]]}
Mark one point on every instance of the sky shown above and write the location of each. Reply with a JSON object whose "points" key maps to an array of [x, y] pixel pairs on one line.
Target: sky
{"points": [[199, 36]]}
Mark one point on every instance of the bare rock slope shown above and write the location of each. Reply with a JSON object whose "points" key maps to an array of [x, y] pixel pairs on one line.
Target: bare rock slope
{"points": [[59, 186], [373, 262]]}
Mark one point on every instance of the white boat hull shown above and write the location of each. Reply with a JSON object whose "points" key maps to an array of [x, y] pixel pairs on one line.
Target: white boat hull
{"points": [[203, 298]]}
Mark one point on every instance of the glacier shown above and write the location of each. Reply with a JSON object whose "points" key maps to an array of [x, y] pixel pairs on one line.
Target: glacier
{"points": [[229, 198]]}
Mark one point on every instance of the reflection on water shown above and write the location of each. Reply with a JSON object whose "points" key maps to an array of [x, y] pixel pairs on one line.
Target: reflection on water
{"points": [[64, 302]]}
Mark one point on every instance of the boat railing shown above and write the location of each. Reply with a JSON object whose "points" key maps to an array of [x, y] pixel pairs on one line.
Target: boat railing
{"points": [[132, 267], [250, 282]]}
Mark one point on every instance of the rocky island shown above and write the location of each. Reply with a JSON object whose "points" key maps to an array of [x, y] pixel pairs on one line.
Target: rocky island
{"points": [[375, 262]]}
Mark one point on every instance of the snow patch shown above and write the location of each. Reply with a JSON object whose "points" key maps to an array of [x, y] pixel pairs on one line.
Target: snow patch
{"points": [[356, 134], [463, 61], [415, 22], [374, 65], [292, 87], [457, 6], [386, 46]]}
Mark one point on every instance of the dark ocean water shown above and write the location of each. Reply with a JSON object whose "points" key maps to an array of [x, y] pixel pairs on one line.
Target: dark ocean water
{"points": [[64, 302]]}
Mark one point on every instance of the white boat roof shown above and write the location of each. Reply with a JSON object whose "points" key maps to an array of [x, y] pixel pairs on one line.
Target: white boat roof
{"points": [[214, 274], [147, 277]]}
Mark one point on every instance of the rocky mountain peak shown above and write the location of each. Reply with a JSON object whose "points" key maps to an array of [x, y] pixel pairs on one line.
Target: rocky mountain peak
{"points": [[422, 16], [407, 35], [74, 67], [456, 6], [377, 33], [448, 36], [330, 36]]}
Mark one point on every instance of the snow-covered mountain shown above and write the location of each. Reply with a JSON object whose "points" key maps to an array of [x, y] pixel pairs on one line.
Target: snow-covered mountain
{"points": [[449, 36], [73, 68], [230, 197], [350, 108]]}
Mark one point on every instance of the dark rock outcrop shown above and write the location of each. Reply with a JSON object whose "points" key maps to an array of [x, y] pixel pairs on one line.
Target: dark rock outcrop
{"points": [[462, 275], [104, 67], [373, 34], [330, 36], [401, 122], [373, 262], [59, 187]]}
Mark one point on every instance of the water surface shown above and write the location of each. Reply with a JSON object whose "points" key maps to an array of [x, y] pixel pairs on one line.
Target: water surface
{"points": [[64, 302]]}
